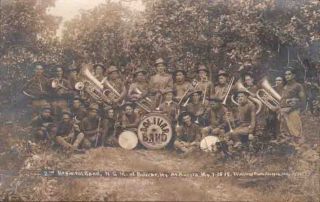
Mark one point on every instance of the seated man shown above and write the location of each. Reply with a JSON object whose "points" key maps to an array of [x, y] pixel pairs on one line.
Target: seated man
{"points": [[43, 123], [112, 120], [130, 119], [78, 112], [246, 120], [68, 133], [197, 108], [188, 135], [216, 119], [93, 127]]}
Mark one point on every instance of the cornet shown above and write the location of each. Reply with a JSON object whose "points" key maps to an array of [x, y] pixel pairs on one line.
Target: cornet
{"points": [[56, 84]]}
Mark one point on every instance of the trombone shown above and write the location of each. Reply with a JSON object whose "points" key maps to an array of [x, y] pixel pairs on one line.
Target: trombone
{"points": [[224, 102]]}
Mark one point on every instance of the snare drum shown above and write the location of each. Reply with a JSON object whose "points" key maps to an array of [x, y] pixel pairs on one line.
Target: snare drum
{"points": [[155, 131], [208, 143], [128, 140]]}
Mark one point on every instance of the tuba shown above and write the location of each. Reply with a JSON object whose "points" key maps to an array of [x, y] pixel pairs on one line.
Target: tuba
{"points": [[268, 96], [240, 87], [92, 86]]}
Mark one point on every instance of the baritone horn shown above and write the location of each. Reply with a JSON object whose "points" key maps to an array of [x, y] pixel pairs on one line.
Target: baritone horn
{"points": [[268, 96], [240, 87], [145, 103], [92, 86]]}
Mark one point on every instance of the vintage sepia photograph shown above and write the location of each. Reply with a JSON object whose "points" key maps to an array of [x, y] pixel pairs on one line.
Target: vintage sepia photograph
{"points": [[160, 100]]}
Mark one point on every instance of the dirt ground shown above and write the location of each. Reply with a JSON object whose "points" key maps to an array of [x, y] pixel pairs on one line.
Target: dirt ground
{"points": [[21, 163]]}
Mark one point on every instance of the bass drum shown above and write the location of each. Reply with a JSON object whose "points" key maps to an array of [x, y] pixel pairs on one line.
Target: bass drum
{"points": [[154, 131], [128, 140], [208, 143]]}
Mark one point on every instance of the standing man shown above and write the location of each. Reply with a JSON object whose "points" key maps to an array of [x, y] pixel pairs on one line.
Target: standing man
{"points": [[246, 120], [221, 89], [180, 86], [139, 89], [160, 81], [115, 82], [61, 90], [204, 84], [249, 83], [188, 135], [279, 84], [99, 71], [293, 99], [37, 89]]}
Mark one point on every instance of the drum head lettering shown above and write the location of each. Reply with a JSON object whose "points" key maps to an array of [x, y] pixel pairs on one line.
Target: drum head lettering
{"points": [[154, 131]]}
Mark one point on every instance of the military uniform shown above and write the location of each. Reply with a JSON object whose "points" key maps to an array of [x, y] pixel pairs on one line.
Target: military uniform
{"points": [[37, 89], [43, 125], [93, 128], [59, 96], [204, 84], [215, 120], [292, 100], [181, 87], [197, 109], [68, 135], [188, 137], [118, 84], [160, 82], [246, 121]]}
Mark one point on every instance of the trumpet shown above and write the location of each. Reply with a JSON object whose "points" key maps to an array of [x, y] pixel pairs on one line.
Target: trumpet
{"points": [[57, 84]]}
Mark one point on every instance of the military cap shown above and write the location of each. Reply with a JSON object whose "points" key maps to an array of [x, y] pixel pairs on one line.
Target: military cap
{"points": [[39, 66], [183, 71], [194, 92], [242, 91], [131, 104], [66, 112], [214, 99], [168, 90], [98, 65], [94, 107], [222, 73], [159, 61], [72, 67], [46, 106], [140, 70], [202, 68], [111, 69]]}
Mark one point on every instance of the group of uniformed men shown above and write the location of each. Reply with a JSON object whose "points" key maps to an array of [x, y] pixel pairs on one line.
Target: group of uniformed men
{"points": [[196, 107]]}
